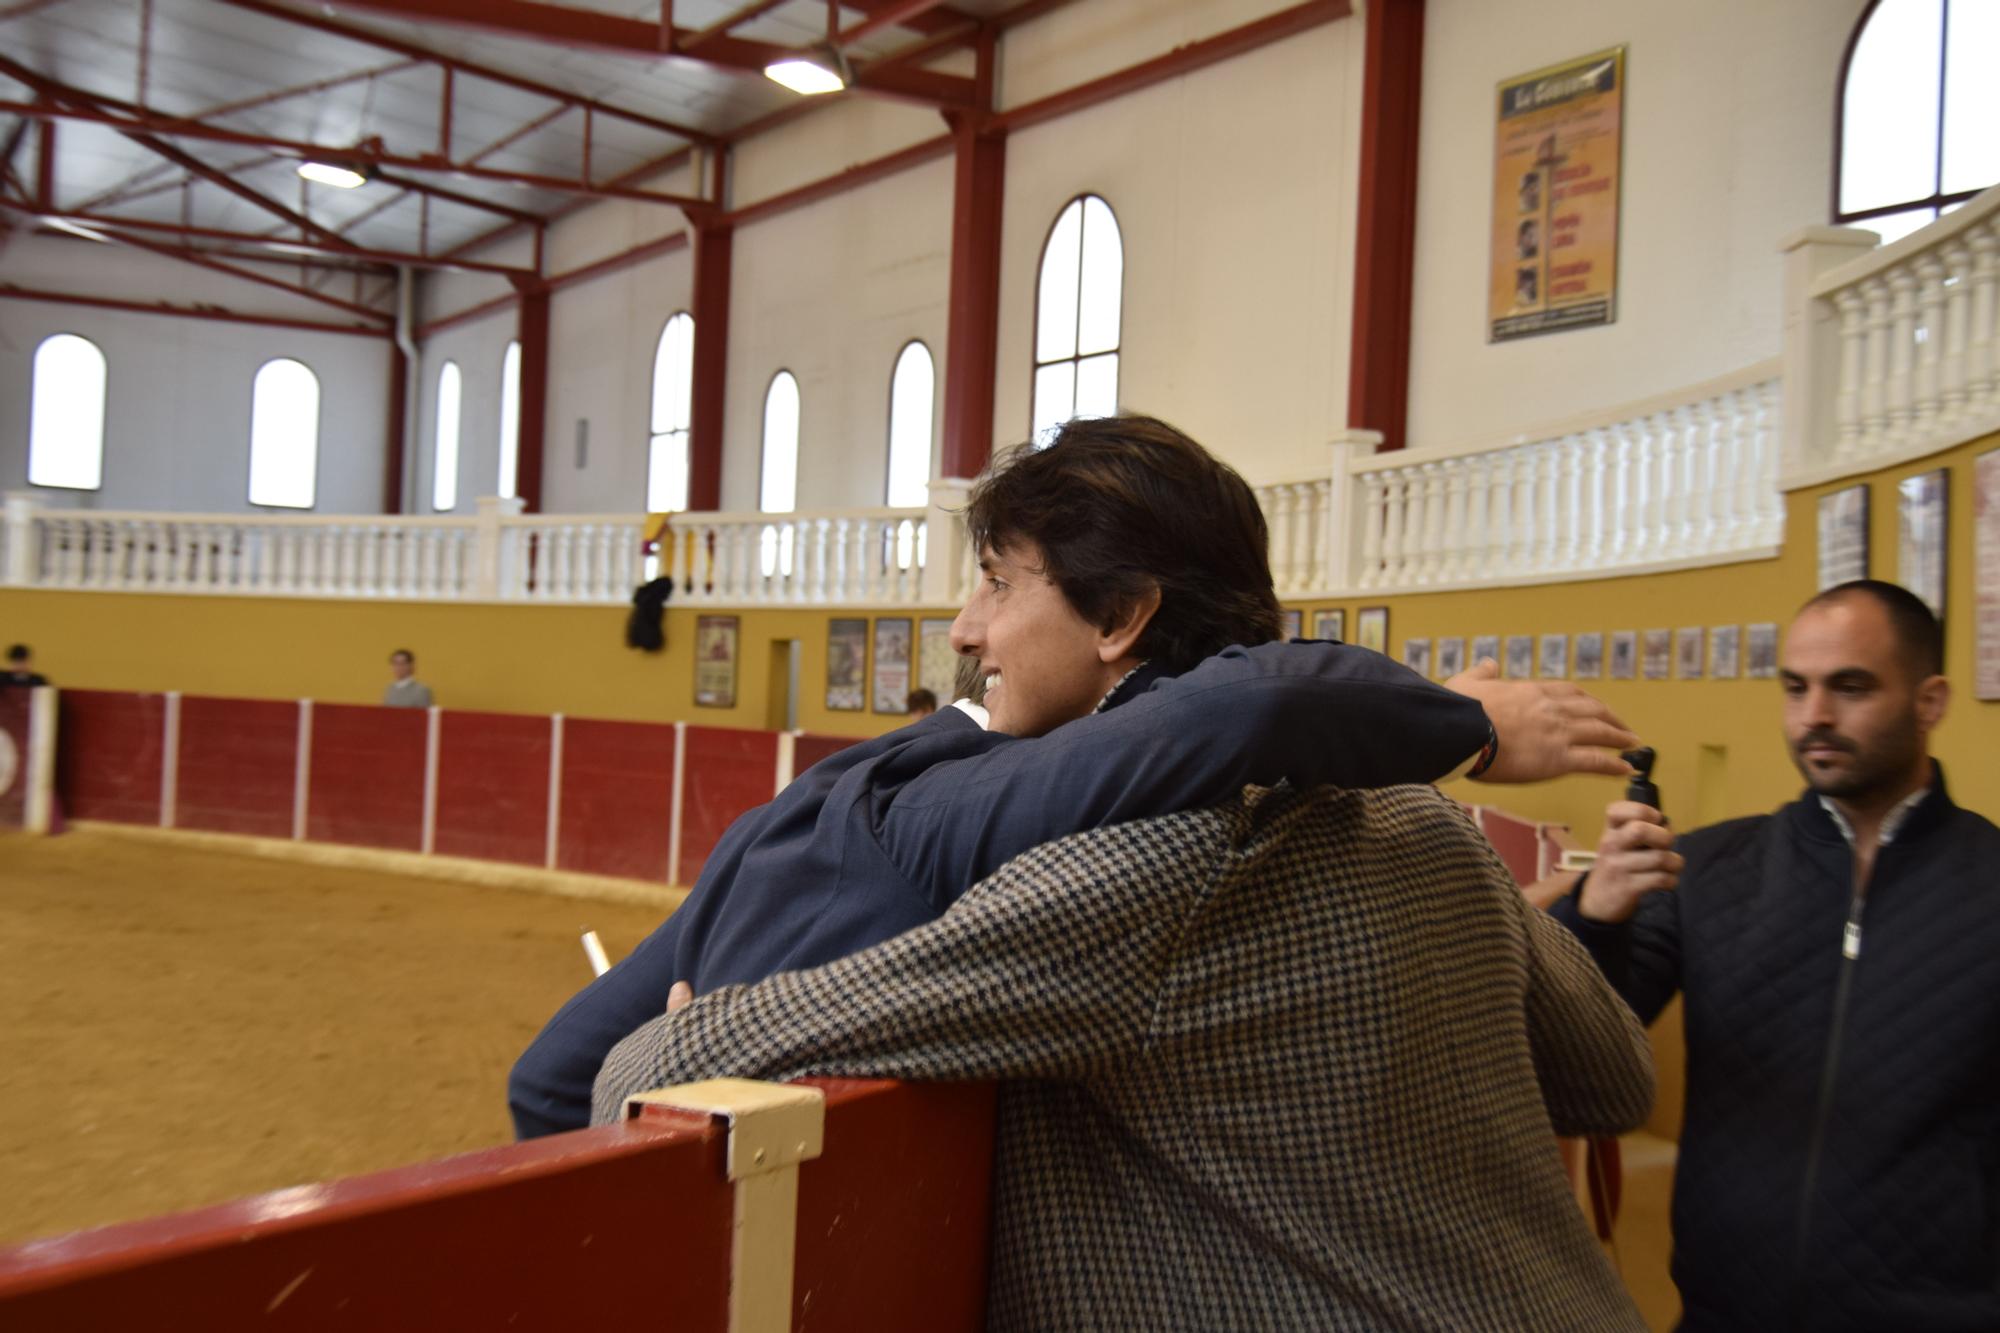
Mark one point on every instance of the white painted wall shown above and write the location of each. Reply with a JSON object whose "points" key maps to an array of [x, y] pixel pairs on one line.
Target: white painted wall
{"points": [[1728, 147], [177, 412]]}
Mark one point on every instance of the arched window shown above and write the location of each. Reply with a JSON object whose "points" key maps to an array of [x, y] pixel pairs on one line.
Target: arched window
{"points": [[284, 434], [1077, 313], [510, 419], [673, 407], [912, 394], [444, 454], [778, 488], [1918, 104], [66, 414]]}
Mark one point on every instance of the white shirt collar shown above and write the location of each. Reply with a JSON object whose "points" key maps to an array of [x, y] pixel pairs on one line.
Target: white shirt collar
{"points": [[1892, 822]]}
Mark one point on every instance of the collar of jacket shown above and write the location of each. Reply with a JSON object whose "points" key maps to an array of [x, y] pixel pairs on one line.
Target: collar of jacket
{"points": [[1811, 818], [1135, 683]]}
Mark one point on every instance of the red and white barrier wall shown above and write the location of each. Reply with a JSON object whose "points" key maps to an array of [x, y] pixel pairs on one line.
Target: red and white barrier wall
{"points": [[641, 800]]}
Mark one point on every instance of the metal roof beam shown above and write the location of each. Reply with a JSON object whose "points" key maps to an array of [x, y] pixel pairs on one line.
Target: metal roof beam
{"points": [[14, 292], [197, 259], [384, 41]]}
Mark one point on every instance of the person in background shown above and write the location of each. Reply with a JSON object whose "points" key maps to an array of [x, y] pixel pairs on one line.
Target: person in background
{"points": [[921, 703], [1839, 963], [21, 669], [405, 691]]}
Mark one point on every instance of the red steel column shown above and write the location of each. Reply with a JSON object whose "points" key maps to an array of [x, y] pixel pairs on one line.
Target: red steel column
{"points": [[392, 456], [972, 335], [712, 248], [1378, 382], [533, 404]]}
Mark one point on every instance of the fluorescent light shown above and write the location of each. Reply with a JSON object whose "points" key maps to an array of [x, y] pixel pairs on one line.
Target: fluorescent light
{"points": [[326, 173], [804, 76], [75, 229]]}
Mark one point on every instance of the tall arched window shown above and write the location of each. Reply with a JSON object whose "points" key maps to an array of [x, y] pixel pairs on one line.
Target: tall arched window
{"points": [[778, 488], [1918, 104], [673, 408], [912, 395], [1077, 314], [444, 453], [510, 419], [66, 414], [284, 434]]}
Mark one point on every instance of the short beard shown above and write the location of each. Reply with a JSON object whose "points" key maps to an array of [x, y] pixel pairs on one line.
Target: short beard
{"points": [[1872, 771]]}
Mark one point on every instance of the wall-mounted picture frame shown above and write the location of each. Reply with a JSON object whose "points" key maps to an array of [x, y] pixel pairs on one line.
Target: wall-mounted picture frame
{"points": [[937, 664], [1625, 654], [1724, 652], [1371, 628], [1330, 625], [1552, 659], [715, 654], [846, 666], [1417, 656], [1689, 641], [1295, 624], [1923, 514], [892, 664], [1843, 536], [1485, 648], [1450, 656], [1986, 575], [1656, 648], [1520, 656], [1590, 655], [1760, 651]]}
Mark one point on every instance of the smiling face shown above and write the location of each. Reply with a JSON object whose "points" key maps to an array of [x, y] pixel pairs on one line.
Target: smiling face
{"points": [[1857, 723], [1043, 664]]}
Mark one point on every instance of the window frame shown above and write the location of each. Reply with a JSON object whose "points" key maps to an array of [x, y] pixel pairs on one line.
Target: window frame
{"points": [[1035, 363], [930, 427], [686, 429], [319, 412], [103, 413], [437, 435], [510, 449], [1938, 199]]}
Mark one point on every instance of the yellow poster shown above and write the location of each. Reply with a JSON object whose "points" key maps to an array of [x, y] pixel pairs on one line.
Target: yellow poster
{"points": [[1556, 159]]}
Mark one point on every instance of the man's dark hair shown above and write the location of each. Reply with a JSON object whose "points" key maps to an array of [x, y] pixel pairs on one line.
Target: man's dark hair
{"points": [[403, 652], [18, 653], [1919, 635], [921, 699], [1121, 504]]}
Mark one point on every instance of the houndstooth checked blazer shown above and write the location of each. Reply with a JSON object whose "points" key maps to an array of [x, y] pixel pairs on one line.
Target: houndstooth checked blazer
{"points": [[1295, 1062]]}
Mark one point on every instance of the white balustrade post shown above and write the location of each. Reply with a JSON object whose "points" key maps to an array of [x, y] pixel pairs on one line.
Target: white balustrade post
{"points": [[1902, 353], [491, 572], [946, 538], [1812, 339], [17, 569], [1982, 360], [1957, 330], [1930, 352], [1352, 517]]}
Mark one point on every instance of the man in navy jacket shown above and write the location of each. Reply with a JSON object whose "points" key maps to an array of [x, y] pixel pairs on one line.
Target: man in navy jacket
{"points": [[1840, 967], [1119, 566]]}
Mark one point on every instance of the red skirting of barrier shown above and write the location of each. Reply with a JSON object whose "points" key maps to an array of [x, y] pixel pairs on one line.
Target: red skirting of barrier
{"points": [[809, 750], [367, 776], [617, 798], [238, 765], [493, 787], [737, 771], [108, 755]]}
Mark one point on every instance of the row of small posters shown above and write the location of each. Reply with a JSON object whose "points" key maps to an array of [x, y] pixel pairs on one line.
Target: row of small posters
{"points": [[908, 653], [1692, 652]]}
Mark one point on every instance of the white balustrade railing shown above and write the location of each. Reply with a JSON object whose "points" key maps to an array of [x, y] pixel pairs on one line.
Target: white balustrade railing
{"points": [[1897, 348], [854, 557]]}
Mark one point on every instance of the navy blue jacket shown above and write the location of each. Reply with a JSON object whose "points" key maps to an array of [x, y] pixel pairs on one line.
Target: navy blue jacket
{"points": [[1840, 1158], [885, 835]]}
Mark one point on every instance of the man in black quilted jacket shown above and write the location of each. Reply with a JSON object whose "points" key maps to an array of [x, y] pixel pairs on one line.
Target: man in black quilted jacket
{"points": [[1840, 964]]}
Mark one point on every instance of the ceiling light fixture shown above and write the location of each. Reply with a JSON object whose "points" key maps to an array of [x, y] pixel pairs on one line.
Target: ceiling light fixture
{"points": [[334, 174], [821, 69]]}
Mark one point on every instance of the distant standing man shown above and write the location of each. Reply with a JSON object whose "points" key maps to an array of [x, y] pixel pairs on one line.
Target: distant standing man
{"points": [[21, 669], [1840, 962], [405, 691]]}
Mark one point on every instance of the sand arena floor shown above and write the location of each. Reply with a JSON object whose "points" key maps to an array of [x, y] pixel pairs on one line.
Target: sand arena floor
{"points": [[180, 1026]]}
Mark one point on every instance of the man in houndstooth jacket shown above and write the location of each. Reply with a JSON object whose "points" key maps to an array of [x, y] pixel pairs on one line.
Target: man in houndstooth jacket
{"points": [[1298, 1061]]}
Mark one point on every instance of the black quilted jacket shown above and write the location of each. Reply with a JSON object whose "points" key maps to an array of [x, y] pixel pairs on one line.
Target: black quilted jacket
{"points": [[1840, 1159]]}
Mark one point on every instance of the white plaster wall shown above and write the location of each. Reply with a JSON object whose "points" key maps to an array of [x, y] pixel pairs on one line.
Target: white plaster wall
{"points": [[1077, 43], [1233, 188], [1728, 147], [842, 135], [832, 292], [177, 410]]}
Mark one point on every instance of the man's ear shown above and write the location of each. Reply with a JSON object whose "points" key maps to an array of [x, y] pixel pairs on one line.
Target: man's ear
{"points": [[1118, 639], [1932, 698]]}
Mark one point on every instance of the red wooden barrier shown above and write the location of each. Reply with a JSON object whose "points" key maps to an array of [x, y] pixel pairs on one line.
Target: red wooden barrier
{"points": [[493, 787], [367, 776], [737, 772], [617, 804], [108, 755], [238, 766], [809, 750], [624, 1227]]}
